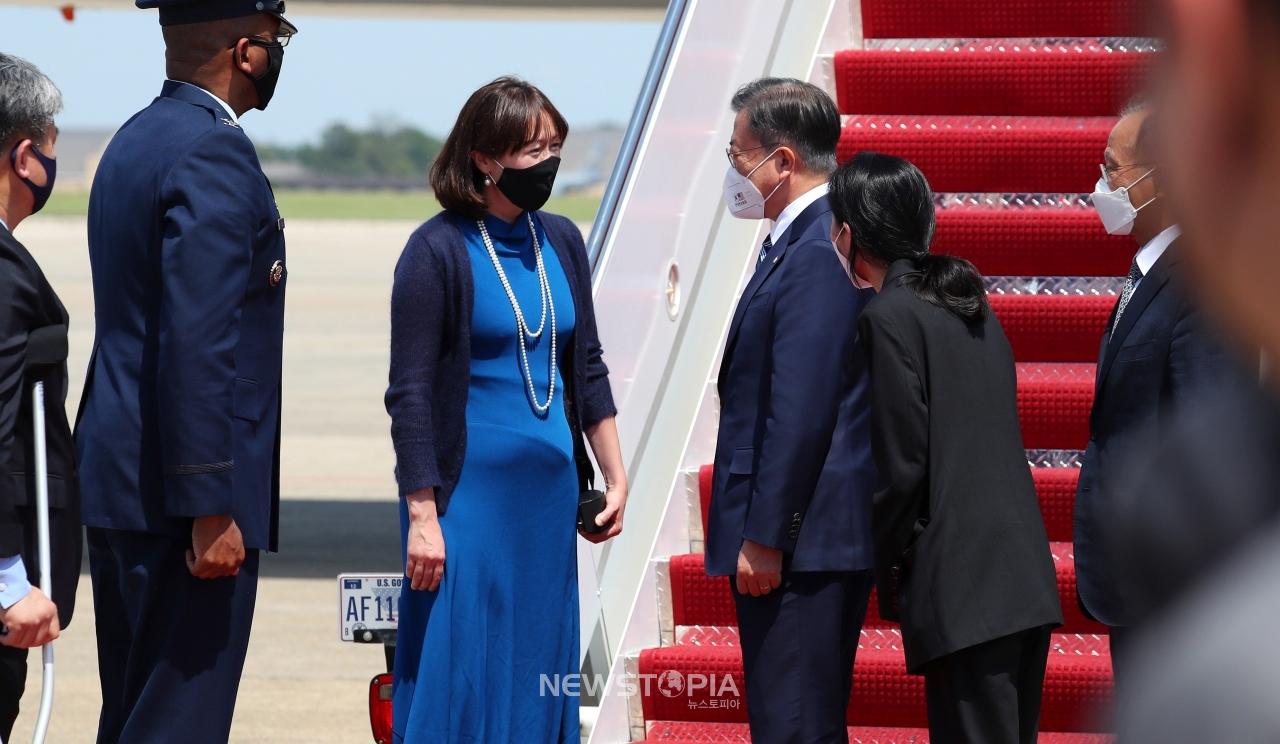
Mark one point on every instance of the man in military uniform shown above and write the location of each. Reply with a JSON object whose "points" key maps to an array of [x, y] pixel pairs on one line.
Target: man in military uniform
{"points": [[179, 428]]}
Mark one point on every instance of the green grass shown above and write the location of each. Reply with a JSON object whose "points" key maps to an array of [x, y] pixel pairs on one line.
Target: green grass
{"points": [[349, 205], [67, 203]]}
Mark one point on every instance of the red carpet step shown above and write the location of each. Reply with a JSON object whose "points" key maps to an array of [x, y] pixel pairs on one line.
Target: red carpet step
{"points": [[898, 19], [701, 600], [1056, 487], [700, 679], [1053, 327], [1029, 235], [1073, 619], [739, 733], [1053, 404], [990, 154], [991, 77]]}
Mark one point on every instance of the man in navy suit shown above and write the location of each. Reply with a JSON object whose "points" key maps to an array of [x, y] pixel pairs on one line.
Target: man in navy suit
{"points": [[791, 500], [179, 427], [1155, 354]]}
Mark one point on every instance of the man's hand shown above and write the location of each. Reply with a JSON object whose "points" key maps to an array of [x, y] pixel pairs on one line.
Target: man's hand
{"points": [[217, 547], [425, 566], [31, 621], [759, 569]]}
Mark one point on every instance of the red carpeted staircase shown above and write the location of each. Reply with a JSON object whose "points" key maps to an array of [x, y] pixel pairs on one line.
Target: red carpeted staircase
{"points": [[1009, 126]]}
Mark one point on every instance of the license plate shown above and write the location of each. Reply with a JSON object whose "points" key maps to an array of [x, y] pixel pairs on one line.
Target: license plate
{"points": [[368, 606]]}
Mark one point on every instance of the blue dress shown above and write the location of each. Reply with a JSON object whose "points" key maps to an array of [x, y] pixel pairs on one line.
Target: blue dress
{"points": [[471, 656]]}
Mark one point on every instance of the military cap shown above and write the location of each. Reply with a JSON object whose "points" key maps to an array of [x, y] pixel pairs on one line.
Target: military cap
{"points": [[174, 12]]}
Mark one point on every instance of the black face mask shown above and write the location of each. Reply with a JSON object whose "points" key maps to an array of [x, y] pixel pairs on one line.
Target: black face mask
{"points": [[41, 193], [529, 188], [266, 85]]}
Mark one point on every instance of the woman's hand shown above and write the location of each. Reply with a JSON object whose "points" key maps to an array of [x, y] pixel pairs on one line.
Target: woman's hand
{"points": [[615, 502], [425, 566], [603, 438]]}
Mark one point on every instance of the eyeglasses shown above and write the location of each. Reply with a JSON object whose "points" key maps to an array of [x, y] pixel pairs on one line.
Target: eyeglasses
{"points": [[280, 40], [729, 152], [1110, 170]]}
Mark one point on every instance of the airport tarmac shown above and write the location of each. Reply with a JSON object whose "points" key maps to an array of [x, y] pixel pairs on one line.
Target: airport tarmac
{"points": [[301, 684]]}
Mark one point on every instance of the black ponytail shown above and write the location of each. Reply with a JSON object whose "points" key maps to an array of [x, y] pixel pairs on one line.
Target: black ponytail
{"points": [[951, 283], [888, 206]]}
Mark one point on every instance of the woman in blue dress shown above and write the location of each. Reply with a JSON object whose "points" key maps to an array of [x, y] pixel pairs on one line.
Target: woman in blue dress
{"points": [[496, 380]]}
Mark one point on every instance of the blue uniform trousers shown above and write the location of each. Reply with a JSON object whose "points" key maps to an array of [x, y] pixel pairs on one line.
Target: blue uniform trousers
{"points": [[798, 646], [171, 647]]}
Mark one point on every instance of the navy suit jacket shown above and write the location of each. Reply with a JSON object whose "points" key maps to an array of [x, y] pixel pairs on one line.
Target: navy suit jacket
{"points": [[1158, 357], [793, 467], [181, 410]]}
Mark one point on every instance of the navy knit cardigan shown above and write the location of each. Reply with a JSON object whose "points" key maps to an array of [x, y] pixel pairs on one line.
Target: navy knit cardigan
{"points": [[431, 304]]}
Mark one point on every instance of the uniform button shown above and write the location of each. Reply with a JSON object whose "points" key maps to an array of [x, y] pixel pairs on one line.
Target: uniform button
{"points": [[894, 571], [276, 273], [3, 587]]}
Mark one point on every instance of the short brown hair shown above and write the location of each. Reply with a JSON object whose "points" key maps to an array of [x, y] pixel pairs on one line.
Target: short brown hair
{"points": [[499, 118]]}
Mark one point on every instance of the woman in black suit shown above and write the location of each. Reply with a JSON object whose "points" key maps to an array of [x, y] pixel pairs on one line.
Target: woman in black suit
{"points": [[962, 557]]}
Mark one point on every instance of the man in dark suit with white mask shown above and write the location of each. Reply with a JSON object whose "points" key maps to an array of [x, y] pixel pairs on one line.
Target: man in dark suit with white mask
{"points": [[1155, 354], [790, 505]]}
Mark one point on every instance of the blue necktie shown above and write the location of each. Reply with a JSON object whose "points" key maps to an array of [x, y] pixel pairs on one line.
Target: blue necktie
{"points": [[764, 249]]}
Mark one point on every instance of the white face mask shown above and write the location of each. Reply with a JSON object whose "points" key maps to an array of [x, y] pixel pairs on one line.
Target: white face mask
{"points": [[741, 195], [1114, 208], [847, 263]]}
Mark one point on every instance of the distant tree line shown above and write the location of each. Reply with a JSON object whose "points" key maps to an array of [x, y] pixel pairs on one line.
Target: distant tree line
{"points": [[383, 150]]}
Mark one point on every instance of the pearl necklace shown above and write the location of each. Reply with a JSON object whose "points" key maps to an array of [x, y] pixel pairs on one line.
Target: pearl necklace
{"points": [[525, 338]]}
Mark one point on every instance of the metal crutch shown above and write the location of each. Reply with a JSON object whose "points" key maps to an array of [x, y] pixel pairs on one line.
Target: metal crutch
{"points": [[45, 346], [46, 568]]}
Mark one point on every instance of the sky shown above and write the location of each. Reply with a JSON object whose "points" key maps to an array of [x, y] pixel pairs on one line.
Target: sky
{"points": [[110, 63]]}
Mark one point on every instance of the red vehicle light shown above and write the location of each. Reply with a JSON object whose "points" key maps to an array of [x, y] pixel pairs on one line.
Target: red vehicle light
{"points": [[380, 708]]}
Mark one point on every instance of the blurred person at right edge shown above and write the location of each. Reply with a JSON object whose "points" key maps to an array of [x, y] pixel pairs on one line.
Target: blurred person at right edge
{"points": [[962, 558], [1194, 532], [1155, 355]]}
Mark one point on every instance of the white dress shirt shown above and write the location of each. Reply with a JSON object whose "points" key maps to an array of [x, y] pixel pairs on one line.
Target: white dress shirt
{"points": [[1154, 249], [225, 106], [793, 210]]}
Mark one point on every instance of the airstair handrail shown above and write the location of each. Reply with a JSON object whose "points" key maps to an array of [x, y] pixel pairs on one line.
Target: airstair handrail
{"points": [[607, 214]]}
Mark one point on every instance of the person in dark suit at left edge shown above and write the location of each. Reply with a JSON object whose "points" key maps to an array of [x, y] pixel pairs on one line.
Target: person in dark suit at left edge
{"points": [[178, 433], [33, 345]]}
